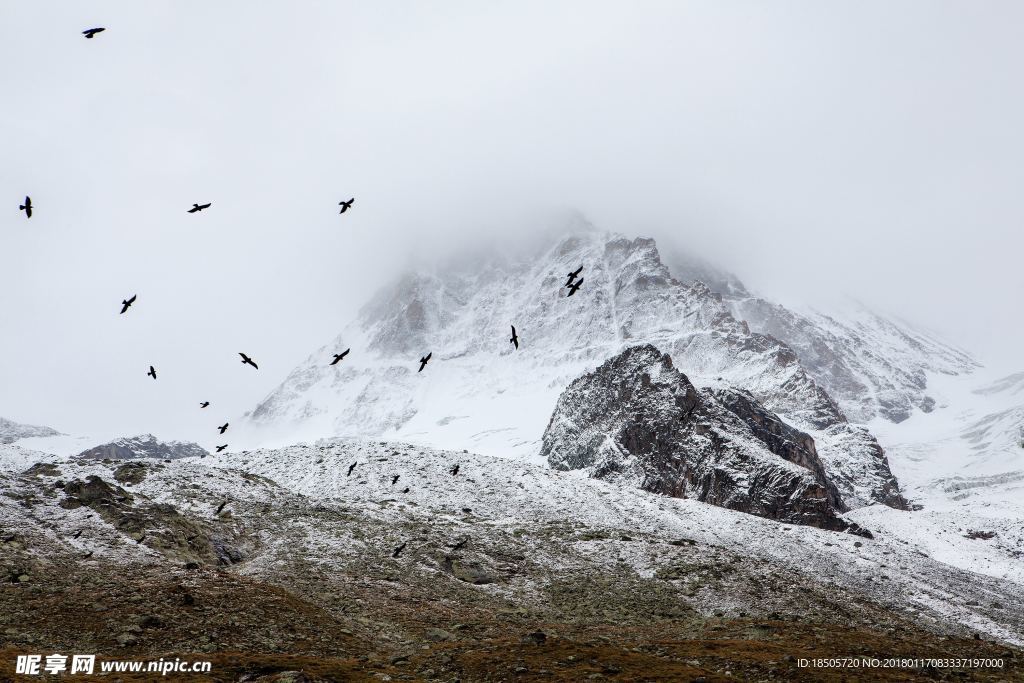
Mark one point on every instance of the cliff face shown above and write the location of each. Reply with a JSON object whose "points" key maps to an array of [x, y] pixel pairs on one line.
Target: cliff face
{"points": [[637, 420], [778, 437]]}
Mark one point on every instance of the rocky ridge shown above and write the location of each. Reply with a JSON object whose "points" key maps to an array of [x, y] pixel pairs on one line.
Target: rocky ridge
{"points": [[639, 421], [144, 446]]}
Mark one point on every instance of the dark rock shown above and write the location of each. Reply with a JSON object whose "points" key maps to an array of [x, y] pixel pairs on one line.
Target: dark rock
{"points": [[983, 535], [535, 637], [151, 621], [226, 554], [45, 469], [781, 439], [682, 541], [93, 492], [437, 635], [470, 572], [639, 421], [130, 473]]}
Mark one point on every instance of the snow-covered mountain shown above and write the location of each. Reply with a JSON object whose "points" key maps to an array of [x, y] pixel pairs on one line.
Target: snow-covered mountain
{"points": [[144, 446], [675, 402], [11, 431], [871, 365], [479, 393]]}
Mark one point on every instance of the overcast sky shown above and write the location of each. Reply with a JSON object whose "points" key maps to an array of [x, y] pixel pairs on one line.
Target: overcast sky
{"points": [[813, 148]]}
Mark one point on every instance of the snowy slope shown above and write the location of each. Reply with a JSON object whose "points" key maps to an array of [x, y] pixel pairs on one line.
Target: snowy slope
{"points": [[303, 502], [479, 393], [976, 432], [870, 365], [963, 466], [494, 492]]}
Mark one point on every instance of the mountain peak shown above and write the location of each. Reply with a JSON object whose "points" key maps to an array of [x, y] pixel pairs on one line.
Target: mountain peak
{"points": [[481, 393], [144, 446]]}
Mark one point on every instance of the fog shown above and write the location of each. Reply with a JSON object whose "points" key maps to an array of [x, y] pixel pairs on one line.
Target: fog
{"points": [[812, 148]]}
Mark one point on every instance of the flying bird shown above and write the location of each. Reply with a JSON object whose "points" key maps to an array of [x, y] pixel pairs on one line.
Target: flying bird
{"points": [[394, 479], [399, 549], [127, 303], [152, 372], [204, 404], [345, 206], [350, 468], [248, 361], [455, 470], [515, 338], [26, 207], [220, 448], [223, 428], [573, 288], [339, 356], [220, 507], [424, 361], [90, 32], [199, 207], [573, 275]]}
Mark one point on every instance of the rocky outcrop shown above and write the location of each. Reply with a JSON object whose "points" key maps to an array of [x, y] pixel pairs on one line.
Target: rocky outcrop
{"points": [[158, 526], [144, 446], [778, 437], [12, 431], [637, 420]]}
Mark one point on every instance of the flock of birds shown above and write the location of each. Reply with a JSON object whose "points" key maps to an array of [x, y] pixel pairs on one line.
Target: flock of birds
{"points": [[573, 284]]}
